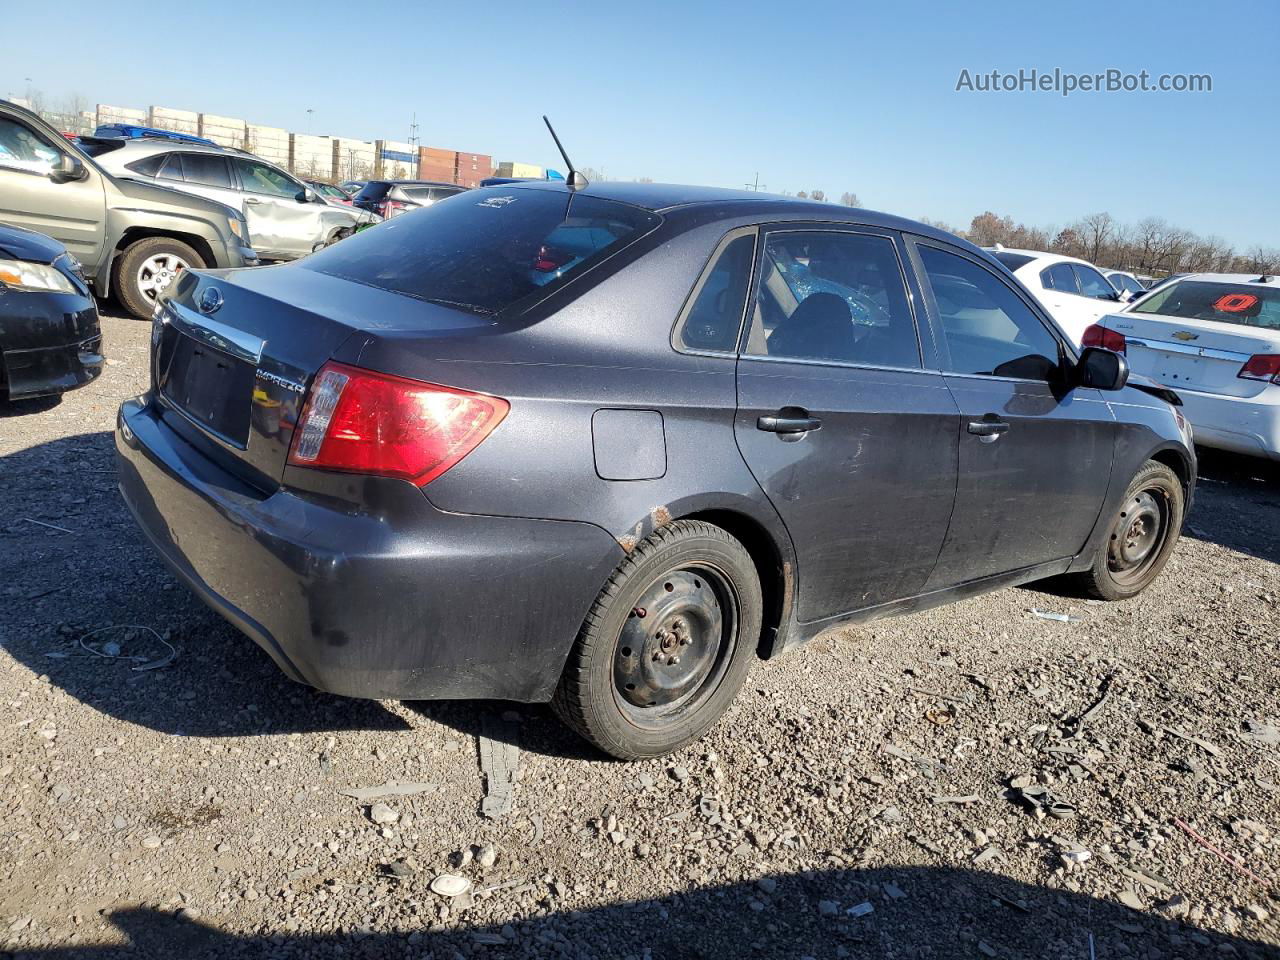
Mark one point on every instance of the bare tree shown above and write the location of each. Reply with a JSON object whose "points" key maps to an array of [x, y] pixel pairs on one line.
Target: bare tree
{"points": [[850, 199], [801, 195], [1095, 232], [819, 195]]}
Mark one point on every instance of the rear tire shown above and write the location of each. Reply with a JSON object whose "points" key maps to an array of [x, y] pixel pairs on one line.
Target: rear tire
{"points": [[666, 645], [146, 267], [1141, 538]]}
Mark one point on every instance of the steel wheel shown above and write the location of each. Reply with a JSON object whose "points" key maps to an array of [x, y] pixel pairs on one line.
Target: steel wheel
{"points": [[156, 272], [1137, 536], [675, 644]]}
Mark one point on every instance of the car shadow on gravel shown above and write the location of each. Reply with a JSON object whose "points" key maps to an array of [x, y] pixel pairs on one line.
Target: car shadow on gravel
{"points": [[916, 912], [531, 727], [72, 562], [1237, 504], [25, 408]]}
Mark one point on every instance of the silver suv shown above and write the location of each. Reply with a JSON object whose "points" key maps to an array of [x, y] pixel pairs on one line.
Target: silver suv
{"points": [[132, 238], [287, 219]]}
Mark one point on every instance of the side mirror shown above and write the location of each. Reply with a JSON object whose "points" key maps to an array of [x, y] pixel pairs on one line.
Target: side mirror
{"points": [[1102, 369], [307, 195], [67, 169]]}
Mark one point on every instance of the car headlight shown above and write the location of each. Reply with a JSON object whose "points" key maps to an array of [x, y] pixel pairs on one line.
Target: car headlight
{"points": [[21, 275]]}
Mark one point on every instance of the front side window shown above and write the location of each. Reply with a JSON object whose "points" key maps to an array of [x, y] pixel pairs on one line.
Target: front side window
{"points": [[504, 247], [1246, 304], [714, 317], [1093, 283], [988, 328], [259, 178], [838, 297], [22, 149], [206, 169]]}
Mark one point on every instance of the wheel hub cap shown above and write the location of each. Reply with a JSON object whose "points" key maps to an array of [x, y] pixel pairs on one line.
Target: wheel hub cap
{"points": [[670, 642]]}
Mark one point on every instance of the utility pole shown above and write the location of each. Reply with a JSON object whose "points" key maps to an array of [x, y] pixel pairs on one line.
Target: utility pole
{"points": [[310, 111], [756, 184], [413, 128]]}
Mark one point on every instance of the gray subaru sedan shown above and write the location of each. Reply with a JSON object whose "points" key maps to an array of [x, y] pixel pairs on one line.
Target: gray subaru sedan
{"points": [[606, 446]]}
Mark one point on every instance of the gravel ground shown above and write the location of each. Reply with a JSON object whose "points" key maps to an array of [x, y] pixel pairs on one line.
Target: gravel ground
{"points": [[880, 793]]}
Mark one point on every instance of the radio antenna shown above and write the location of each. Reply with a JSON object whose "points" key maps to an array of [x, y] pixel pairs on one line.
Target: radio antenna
{"points": [[576, 180]]}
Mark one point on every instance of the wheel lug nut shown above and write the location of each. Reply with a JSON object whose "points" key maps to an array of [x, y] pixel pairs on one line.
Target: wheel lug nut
{"points": [[672, 661]]}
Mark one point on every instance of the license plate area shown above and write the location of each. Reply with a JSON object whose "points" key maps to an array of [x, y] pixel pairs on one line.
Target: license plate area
{"points": [[209, 386]]}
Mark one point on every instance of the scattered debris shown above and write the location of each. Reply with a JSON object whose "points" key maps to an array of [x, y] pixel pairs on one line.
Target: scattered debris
{"points": [[1039, 800], [990, 853], [1204, 745], [383, 815], [50, 526], [968, 798], [392, 789], [499, 762], [111, 650], [1265, 733], [860, 909], [1076, 726], [1224, 857], [450, 885], [1056, 617]]}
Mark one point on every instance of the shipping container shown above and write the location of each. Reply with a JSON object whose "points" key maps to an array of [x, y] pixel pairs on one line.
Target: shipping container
{"points": [[311, 156], [179, 121], [225, 131], [436, 156], [106, 114]]}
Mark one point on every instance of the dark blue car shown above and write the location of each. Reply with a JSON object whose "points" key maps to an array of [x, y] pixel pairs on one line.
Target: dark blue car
{"points": [[607, 446]]}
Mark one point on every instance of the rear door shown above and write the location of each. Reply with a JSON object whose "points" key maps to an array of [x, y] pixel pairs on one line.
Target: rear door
{"points": [[1034, 456], [850, 436]]}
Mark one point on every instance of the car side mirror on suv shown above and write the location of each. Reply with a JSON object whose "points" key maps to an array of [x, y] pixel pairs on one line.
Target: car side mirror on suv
{"points": [[1102, 369], [307, 195], [67, 169]]}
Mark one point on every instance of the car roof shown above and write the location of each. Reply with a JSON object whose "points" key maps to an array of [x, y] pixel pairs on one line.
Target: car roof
{"points": [[1272, 280], [1039, 258], [668, 197], [416, 183]]}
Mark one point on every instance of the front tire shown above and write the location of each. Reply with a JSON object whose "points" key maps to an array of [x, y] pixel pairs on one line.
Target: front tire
{"points": [[666, 645], [145, 268], [1142, 536]]}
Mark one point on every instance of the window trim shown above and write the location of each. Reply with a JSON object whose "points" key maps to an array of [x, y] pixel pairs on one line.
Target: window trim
{"points": [[855, 229], [1044, 281], [704, 275], [913, 243], [1077, 267]]}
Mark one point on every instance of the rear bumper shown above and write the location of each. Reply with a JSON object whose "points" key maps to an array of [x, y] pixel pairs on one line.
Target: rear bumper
{"points": [[407, 603], [51, 343], [1249, 425]]}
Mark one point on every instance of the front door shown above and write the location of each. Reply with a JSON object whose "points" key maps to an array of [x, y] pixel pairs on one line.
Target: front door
{"points": [[1035, 455], [73, 213], [281, 227], [853, 441]]}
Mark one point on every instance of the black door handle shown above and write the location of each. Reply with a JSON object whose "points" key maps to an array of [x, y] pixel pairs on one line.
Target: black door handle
{"points": [[789, 420], [988, 430]]}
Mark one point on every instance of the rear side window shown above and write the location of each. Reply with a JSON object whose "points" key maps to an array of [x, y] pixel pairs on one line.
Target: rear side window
{"points": [[1012, 260], [1250, 305], [485, 256], [713, 318], [988, 329], [836, 297], [417, 194], [148, 166], [1060, 277], [171, 168], [206, 169]]}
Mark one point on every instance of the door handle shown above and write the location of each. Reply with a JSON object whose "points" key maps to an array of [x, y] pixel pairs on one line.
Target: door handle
{"points": [[788, 420], [253, 200], [989, 430]]}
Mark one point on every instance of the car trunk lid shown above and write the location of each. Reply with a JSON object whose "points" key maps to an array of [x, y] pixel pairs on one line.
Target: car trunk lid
{"points": [[234, 353], [1193, 354]]}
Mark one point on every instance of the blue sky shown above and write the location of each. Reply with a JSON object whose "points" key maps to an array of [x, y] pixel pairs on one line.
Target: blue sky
{"points": [[830, 95]]}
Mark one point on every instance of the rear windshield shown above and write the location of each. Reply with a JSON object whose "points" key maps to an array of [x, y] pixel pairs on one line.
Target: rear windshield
{"points": [[486, 250], [1249, 304], [1012, 260]]}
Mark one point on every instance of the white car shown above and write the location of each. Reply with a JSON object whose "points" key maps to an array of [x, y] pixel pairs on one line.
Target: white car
{"points": [[1125, 283], [1214, 338], [1074, 291]]}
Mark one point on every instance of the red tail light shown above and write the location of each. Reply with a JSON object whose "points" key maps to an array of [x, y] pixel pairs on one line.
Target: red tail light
{"points": [[1096, 335], [357, 421], [1261, 366]]}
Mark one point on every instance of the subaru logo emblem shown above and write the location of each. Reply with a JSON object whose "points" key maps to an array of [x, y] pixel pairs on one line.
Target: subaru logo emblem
{"points": [[210, 300]]}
